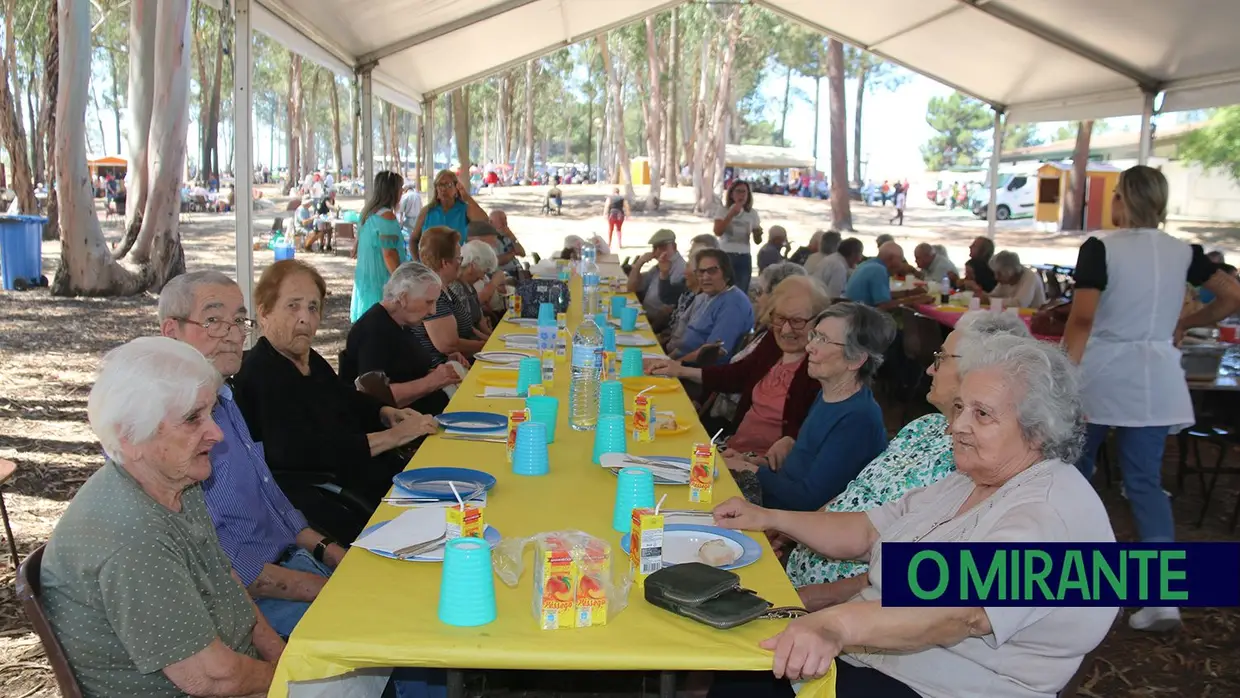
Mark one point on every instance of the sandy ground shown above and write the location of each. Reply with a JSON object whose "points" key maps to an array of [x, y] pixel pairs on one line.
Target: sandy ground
{"points": [[49, 349]]}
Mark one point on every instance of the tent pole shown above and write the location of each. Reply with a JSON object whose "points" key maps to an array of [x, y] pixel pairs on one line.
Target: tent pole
{"points": [[243, 177], [995, 152], [1147, 116], [368, 131]]}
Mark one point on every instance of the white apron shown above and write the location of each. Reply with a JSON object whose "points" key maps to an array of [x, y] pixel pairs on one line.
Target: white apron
{"points": [[1131, 373]]}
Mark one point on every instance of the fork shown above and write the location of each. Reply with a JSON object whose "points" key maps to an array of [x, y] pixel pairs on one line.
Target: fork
{"points": [[415, 550], [659, 463]]}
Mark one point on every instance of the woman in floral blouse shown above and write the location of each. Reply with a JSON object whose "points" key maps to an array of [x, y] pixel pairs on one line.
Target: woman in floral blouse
{"points": [[920, 455]]}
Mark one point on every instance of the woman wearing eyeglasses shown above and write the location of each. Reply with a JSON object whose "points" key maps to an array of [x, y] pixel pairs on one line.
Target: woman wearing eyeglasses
{"points": [[452, 207]]}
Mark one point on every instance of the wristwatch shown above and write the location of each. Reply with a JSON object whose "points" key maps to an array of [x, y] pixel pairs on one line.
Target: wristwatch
{"points": [[321, 547]]}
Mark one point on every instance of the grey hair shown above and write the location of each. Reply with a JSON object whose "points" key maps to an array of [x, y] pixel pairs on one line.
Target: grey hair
{"points": [[479, 254], [142, 383], [869, 334], [770, 277], [883, 239], [984, 323], [413, 278], [176, 300], [1006, 262], [703, 241], [1049, 411], [828, 241]]}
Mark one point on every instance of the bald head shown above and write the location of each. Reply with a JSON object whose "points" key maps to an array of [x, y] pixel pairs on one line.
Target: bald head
{"points": [[498, 218], [891, 255]]}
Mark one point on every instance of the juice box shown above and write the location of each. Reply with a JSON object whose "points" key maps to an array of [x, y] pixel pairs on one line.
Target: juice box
{"points": [[561, 344], [555, 585], [464, 522], [593, 568], [702, 472], [609, 365], [515, 417], [516, 305], [548, 335], [643, 418], [645, 544]]}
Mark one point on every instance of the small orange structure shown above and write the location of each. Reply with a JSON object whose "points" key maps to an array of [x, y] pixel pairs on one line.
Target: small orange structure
{"points": [[110, 165], [1054, 178]]}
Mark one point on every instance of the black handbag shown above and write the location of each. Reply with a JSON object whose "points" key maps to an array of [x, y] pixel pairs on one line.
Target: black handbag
{"points": [[536, 291], [710, 595]]}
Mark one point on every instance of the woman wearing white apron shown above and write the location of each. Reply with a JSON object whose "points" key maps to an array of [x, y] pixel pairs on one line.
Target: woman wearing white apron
{"points": [[1122, 331]]}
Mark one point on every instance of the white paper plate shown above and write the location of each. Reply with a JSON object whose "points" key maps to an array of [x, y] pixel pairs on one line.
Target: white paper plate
{"points": [[628, 339], [503, 358]]}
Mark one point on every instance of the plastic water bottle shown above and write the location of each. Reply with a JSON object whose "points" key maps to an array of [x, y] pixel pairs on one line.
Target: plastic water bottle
{"points": [[945, 291], [591, 299], [583, 387]]}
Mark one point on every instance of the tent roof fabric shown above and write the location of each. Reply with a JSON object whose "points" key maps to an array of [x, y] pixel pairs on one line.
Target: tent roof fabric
{"points": [[765, 157], [1039, 60]]}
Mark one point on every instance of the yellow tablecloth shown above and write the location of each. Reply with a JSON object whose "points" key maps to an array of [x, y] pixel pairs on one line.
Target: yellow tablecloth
{"points": [[377, 612]]}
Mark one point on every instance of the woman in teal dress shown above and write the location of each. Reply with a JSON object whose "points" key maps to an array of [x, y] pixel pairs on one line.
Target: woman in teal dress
{"points": [[920, 455], [451, 206], [380, 247]]}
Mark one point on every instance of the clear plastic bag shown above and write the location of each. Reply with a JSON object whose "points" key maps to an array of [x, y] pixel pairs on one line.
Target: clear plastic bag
{"points": [[579, 581]]}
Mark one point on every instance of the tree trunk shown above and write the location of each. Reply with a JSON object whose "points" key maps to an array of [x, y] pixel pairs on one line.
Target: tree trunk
{"points": [[486, 129], [862, 71], [383, 134], [1074, 204], [213, 107], [47, 117], [460, 125], [12, 134], [817, 116], [142, 19], [783, 119], [355, 120], [529, 118], [204, 90], [841, 214], [309, 143], [337, 153], [37, 167], [116, 97], [673, 69], [568, 135], [708, 197], [294, 123], [103, 136], [697, 155], [86, 267], [623, 165], [654, 120]]}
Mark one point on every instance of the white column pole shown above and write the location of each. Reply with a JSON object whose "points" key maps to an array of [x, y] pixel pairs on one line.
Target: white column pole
{"points": [[1147, 116], [996, 150], [243, 112], [368, 132]]}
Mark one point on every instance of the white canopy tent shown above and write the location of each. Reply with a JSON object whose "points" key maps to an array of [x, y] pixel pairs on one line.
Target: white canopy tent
{"points": [[1033, 60]]}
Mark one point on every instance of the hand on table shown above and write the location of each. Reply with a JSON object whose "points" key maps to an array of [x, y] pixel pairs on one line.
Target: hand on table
{"points": [[738, 514], [739, 463], [665, 367], [392, 416], [804, 650], [460, 359], [444, 375], [778, 452], [416, 426]]}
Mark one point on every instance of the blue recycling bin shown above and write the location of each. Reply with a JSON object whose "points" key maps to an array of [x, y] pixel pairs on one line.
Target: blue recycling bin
{"points": [[21, 251]]}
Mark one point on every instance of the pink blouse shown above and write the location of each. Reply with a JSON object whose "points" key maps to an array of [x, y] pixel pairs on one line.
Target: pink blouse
{"points": [[763, 423]]}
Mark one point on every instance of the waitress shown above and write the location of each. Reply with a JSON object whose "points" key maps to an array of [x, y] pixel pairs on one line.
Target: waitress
{"points": [[735, 228], [451, 207], [1122, 331]]}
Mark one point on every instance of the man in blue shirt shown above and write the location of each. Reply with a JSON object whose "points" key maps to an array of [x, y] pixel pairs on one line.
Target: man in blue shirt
{"points": [[870, 282], [726, 316], [282, 561]]}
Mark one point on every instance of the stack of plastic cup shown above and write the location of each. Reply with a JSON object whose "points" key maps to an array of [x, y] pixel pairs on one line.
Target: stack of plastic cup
{"points": [[609, 437], [546, 314], [529, 452], [618, 303], [544, 410], [467, 585], [600, 319], [628, 319], [634, 490], [609, 339], [529, 372], [631, 362], [610, 398]]}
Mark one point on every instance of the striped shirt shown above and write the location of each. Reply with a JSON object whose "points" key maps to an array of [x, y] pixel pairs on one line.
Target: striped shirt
{"points": [[447, 304], [255, 522]]}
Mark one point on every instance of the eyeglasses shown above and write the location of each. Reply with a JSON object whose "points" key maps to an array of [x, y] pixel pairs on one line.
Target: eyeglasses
{"points": [[218, 328], [445, 185], [940, 356], [796, 323], [816, 337], [707, 271]]}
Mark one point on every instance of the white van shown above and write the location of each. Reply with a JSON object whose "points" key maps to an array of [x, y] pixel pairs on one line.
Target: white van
{"points": [[1016, 196]]}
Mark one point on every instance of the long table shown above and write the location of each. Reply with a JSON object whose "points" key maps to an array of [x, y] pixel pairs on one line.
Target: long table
{"points": [[376, 612], [950, 315]]}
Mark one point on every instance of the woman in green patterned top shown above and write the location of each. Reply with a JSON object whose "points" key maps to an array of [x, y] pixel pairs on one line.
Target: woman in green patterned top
{"points": [[920, 455]]}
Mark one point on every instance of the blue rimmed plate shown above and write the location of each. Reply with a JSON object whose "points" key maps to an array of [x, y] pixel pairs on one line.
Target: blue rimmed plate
{"points": [[473, 421], [683, 542], [432, 483], [491, 535]]}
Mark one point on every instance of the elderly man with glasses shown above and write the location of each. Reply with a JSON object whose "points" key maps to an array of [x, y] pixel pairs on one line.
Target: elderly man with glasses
{"points": [[282, 561]]}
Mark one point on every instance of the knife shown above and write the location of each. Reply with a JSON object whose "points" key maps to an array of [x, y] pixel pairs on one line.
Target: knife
{"points": [[484, 439]]}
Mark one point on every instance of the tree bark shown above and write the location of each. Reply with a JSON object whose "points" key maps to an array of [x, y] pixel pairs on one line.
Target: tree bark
{"points": [[783, 119], [47, 116], [709, 197], [654, 118], [623, 164], [460, 126], [86, 266], [817, 116], [37, 166], [841, 214], [204, 91], [294, 123], [862, 71], [142, 23], [673, 69], [337, 152], [355, 118], [116, 97], [529, 118], [213, 107], [12, 134], [1074, 204], [309, 143]]}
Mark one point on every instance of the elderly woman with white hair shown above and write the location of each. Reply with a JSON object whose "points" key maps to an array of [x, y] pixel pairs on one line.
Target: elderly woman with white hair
{"points": [[1016, 429], [380, 341], [479, 264], [1018, 285], [135, 584]]}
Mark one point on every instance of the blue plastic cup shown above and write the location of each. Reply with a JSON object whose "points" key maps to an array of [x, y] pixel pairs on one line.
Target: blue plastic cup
{"points": [[634, 490], [631, 362], [609, 436], [545, 410], [628, 319], [609, 338], [529, 452], [529, 372], [600, 319], [467, 585], [546, 314], [610, 398], [618, 304]]}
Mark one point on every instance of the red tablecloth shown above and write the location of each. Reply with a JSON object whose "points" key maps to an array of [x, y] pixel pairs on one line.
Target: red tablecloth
{"points": [[951, 317]]}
